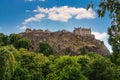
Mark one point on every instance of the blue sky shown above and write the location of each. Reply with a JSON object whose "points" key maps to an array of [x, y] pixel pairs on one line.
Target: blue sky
{"points": [[16, 15]]}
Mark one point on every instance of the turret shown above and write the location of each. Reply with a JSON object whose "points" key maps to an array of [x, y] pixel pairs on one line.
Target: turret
{"points": [[82, 31], [28, 30]]}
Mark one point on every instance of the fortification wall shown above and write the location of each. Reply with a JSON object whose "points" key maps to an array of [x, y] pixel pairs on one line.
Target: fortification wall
{"points": [[82, 31]]}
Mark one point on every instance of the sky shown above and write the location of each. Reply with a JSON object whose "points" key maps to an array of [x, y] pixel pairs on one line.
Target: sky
{"points": [[17, 15]]}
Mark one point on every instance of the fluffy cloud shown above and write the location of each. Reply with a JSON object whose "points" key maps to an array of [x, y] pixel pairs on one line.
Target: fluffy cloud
{"points": [[63, 13], [37, 17], [22, 27], [100, 36]]}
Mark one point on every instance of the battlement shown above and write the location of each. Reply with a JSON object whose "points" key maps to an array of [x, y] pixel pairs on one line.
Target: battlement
{"points": [[77, 31], [36, 31], [82, 31], [28, 30]]}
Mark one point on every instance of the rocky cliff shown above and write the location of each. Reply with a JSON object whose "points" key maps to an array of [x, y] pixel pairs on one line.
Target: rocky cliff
{"points": [[65, 42]]}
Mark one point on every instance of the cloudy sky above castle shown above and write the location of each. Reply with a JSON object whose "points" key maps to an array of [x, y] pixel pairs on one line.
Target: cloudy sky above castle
{"points": [[17, 15]]}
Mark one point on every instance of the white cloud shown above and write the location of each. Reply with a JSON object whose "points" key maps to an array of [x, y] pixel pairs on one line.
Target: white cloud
{"points": [[103, 37], [63, 13], [107, 44], [100, 36], [63, 17], [37, 17], [22, 27], [86, 14]]}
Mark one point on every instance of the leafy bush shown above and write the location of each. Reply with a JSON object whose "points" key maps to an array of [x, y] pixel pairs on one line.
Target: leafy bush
{"points": [[45, 49]]}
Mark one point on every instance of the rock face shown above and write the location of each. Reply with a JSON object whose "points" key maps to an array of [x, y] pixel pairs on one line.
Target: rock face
{"points": [[65, 42]]}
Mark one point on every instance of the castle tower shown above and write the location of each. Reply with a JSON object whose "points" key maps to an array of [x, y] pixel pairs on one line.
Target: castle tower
{"points": [[82, 31], [28, 30]]}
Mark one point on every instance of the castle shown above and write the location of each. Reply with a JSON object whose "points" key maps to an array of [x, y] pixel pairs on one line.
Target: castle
{"points": [[77, 31], [63, 41], [82, 31], [37, 31]]}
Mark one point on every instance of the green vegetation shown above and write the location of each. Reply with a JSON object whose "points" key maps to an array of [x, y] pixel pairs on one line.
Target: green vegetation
{"points": [[7, 64], [113, 6], [25, 65], [45, 49], [16, 40], [3, 39], [23, 43], [83, 51], [17, 63]]}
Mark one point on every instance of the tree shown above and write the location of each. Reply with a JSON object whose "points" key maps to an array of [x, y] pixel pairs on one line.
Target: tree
{"points": [[45, 49], [113, 7], [3, 39], [33, 63], [19, 42], [103, 69], [13, 38], [23, 43], [65, 68], [83, 51], [7, 64], [21, 74], [84, 61]]}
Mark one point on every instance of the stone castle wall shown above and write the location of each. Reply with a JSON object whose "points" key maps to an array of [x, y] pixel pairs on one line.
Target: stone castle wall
{"points": [[82, 31], [77, 31], [36, 31]]}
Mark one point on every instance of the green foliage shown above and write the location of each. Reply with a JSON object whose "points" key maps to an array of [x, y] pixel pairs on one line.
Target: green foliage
{"points": [[22, 43], [19, 42], [45, 49], [100, 70], [33, 62], [13, 38], [113, 6], [84, 61], [83, 51], [66, 68], [25, 65], [7, 64], [21, 74], [3, 39]]}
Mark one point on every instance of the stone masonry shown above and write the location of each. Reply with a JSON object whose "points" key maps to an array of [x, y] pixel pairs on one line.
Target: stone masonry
{"points": [[82, 31]]}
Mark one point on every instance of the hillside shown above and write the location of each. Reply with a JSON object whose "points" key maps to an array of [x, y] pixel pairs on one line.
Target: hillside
{"points": [[65, 42]]}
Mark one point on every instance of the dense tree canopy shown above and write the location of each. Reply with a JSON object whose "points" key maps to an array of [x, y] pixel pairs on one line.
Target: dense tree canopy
{"points": [[13, 38], [23, 43], [7, 64], [45, 49], [25, 65], [21, 64], [3, 39]]}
